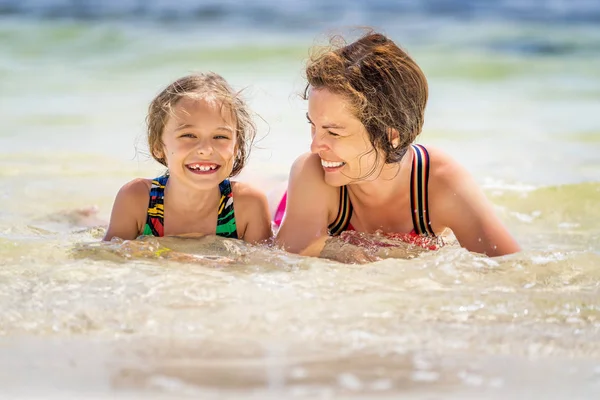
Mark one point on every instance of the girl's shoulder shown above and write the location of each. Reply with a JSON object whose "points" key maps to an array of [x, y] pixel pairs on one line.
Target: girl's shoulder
{"points": [[245, 193], [129, 210], [137, 188], [251, 212]]}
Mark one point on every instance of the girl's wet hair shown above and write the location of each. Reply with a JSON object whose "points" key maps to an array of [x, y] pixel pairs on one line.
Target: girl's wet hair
{"points": [[384, 86], [201, 86]]}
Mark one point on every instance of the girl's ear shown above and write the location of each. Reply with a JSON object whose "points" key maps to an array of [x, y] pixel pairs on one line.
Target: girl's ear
{"points": [[394, 137], [158, 152], [236, 149]]}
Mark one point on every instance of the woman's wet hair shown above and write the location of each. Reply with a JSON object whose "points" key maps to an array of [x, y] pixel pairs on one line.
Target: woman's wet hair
{"points": [[384, 86]]}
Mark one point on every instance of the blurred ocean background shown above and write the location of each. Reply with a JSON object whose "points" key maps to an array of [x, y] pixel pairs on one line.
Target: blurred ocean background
{"points": [[514, 96]]}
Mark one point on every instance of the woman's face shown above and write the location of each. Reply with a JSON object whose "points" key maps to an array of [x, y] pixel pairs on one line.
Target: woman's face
{"points": [[340, 140]]}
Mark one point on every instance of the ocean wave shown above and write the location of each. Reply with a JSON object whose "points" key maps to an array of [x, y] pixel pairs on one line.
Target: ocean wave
{"points": [[275, 12]]}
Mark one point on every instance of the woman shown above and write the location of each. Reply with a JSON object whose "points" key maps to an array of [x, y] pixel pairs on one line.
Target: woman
{"points": [[366, 103]]}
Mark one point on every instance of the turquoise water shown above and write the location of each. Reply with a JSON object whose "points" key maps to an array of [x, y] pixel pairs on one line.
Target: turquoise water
{"points": [[517, 103]]}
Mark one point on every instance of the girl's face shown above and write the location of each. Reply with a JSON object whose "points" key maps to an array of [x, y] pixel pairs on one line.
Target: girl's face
{"points": [[340, 140], [199, 142]]}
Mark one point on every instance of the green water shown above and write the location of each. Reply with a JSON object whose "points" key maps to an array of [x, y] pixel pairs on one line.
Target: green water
{"points": [[116, 320]]}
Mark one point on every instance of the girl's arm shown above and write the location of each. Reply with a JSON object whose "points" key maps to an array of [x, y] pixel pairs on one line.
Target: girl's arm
{"points": [[254, 218], [129, 211]]}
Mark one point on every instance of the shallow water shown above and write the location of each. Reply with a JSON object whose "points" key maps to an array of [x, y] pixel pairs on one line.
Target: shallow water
{"points": [[515, 101], [269, 324]]}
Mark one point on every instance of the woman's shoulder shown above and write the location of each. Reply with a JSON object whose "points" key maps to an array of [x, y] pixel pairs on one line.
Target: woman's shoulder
{"points": [[307, 183], [307, 170], [449, 183], [443, 168], [308, 163]]}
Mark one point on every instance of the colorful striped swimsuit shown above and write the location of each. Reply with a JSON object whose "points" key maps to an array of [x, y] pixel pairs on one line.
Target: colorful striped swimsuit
{"points": [[155, 225], [419, 180]]}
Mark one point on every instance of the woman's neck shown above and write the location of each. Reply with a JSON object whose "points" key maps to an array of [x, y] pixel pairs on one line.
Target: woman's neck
{"points": [[390, 183]]}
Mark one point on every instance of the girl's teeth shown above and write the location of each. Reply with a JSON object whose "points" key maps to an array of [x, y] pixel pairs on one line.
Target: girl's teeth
{"points": [[204, 167]]}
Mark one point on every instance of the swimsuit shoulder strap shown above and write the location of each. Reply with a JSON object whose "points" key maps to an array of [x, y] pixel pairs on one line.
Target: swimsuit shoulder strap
{"points": [[156, 209], [226, 226], [419, 180], [342, 220]]}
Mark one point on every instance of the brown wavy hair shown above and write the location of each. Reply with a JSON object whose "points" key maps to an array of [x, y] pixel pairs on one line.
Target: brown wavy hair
{"points": [[384, 86], [201, 86]]}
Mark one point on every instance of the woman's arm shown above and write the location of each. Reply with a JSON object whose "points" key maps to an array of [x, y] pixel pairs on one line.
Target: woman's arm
{"points": [[309, 200], [457, 202]]}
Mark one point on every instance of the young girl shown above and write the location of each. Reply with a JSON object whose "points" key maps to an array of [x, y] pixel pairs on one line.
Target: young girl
{"points": [[201, 130]]}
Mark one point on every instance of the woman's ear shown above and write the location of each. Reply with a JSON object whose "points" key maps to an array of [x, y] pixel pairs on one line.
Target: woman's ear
{"points": [[394, 137]]}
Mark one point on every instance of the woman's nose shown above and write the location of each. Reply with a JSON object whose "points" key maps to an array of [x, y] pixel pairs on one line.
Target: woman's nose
{"points": [[317, 144]]}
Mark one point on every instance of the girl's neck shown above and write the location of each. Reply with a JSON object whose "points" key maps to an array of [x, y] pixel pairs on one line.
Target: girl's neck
{"points": [[188, 199]]}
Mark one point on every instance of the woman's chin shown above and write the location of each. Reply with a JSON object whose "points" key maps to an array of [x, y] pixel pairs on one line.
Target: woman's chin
{"points": [[336, 180]]}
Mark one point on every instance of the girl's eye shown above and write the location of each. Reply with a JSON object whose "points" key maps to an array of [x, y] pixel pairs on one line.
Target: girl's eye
{"points": [[221, 137], [188, 135], [333, 134]]}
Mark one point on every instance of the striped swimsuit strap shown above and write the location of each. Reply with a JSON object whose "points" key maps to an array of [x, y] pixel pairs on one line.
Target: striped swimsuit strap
{"points": [[341, 222], [419, 181], [156, 208], [226, 226]]}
